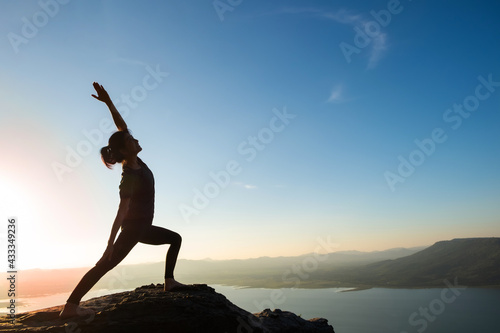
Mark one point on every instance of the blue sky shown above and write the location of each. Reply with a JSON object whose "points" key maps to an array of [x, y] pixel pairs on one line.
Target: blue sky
{"points": [[222, 73]]}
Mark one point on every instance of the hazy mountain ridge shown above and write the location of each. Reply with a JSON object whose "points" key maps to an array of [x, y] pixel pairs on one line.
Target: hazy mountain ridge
{"points": [[255, 272], [277, 272], [474, 261]]}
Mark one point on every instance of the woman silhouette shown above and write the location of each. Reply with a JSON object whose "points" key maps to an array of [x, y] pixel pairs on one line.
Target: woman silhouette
{"points": [[135, 212]]}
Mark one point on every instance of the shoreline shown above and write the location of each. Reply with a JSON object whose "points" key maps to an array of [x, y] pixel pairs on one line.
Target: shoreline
{"points": [[101, 292]]}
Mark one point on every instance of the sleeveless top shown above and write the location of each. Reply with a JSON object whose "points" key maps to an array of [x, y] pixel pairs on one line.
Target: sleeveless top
{"points": [[139, 186]]}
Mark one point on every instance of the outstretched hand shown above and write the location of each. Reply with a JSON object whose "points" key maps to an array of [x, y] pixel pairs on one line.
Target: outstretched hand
{"points": [[102, 94]]}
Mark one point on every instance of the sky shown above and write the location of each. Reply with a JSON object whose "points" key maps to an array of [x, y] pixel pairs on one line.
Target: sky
{"points": [[271, 127]]}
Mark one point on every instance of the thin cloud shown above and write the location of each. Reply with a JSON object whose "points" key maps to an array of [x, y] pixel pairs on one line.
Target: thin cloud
{"points": [[335, 95], [129, 61], [245, 186], [378, 43], [338, 95], [343, 16], [378, 46], [296, 10]]}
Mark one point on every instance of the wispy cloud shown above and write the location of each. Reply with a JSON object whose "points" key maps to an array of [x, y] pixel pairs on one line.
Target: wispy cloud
{"points": [[339, 95], [245, 186], [378, 42], [378, 45], [343, 16], [129, 61], [336, 94]]}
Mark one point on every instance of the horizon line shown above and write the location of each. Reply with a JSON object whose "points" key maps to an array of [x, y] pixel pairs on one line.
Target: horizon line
{"points": [[261, 257]]}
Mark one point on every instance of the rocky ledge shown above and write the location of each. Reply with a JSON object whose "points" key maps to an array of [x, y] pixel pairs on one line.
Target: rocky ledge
{"points": [[149, 309]]}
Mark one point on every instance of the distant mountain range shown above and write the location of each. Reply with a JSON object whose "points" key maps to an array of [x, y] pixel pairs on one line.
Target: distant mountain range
{"points": [[473, 261], [305, 271]]}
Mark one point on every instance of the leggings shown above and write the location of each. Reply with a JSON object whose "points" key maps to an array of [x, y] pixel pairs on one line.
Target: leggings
{"points": [[127, 239]]}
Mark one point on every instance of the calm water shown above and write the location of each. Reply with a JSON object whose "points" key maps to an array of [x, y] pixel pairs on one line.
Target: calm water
{"points": [[382, 310], [367, 311]]}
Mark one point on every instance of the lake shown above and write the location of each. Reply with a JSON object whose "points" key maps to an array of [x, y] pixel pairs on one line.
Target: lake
{"points": [[377, 310], [382, 310]]}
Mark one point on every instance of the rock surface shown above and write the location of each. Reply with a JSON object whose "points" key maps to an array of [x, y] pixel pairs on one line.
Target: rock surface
{"points": [[150, 309]]}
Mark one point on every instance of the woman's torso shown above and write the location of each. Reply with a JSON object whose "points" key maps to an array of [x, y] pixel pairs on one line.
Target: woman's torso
{"points": [[138, 185]]}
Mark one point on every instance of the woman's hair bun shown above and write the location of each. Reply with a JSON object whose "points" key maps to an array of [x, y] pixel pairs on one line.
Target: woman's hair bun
{"points": [[112, 154], [107, 156]]}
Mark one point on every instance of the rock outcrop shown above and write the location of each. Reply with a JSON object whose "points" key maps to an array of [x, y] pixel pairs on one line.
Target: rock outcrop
{"points": [[150, 309]]}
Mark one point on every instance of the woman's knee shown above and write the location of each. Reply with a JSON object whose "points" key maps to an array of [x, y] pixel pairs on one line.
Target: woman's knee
{"points": [[177, 239]]}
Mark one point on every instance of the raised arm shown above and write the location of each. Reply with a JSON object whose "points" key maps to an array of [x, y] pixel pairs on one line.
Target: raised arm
{"points": [[102, 95]]}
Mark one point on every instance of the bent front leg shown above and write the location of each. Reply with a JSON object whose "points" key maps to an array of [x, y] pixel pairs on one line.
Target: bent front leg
{"points": [[158, 236]]}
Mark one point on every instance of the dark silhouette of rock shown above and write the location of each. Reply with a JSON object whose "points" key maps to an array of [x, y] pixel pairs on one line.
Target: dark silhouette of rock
{"points": [[149, 309]]}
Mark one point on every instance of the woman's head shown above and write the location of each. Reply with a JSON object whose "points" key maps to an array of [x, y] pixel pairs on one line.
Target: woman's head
{"points": [[121, 146]]}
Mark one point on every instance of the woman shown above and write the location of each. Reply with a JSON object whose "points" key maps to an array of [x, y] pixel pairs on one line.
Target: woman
{"points": [[135, 212]]}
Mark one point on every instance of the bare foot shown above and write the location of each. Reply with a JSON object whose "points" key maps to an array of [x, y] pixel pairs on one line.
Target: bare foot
{"points": [[172, 285], [73, 310]]}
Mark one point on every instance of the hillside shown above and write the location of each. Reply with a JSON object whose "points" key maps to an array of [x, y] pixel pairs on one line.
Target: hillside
{"points": [[473, 261]]}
